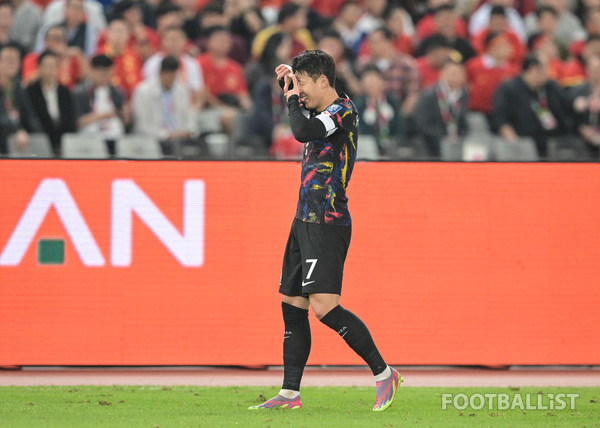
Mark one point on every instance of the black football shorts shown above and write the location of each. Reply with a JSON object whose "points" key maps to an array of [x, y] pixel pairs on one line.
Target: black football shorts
{"points": [[314, 259]]}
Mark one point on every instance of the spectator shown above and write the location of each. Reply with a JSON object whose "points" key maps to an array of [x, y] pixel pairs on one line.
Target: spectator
{"points": [[51, 102], [269, 127], [545, 45], [393, 22], [227, 89], [27, 20], [14, 110], [314, 20], [499, 25], [379, 112], [574, 69], [245, 19], [6, 25], [100, 107], [481, 18], [71, 67], [586, 105], [441, 110], [167, 15], [345, 79], [189, 73], [427, 26], [56, 12], [373, 17], [400, 70], [486, 72], [277, 51], [592, 27], [291, 20], [80, 29], [214, 16], [162, 108], [531, 105], [346, 22], [568, 26], [190, 17], [143, 40], [444, 21], [437, 53], [127, 65]]}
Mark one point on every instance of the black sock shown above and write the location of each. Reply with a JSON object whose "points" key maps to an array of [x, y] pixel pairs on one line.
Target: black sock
{"points": [[357, 336], [296, 345]]}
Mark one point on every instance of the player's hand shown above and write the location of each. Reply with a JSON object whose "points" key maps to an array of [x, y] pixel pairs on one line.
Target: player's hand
{"points": [[291, 81], [283, 70]]}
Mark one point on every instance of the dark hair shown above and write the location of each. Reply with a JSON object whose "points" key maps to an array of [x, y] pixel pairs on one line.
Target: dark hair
{"points": [[216, 29], [434, 42], [531, 60], [165, 8], [546, 9], [315, 63], [533, 40], [213, 7], [371, 68], [269, 53], [446, 7], [121, 7], [592, 38], [287, 10], [45, 54], [12, 45], [56, 27], [101, 61], [498, 10], [388, 11], [169, 63], [385, 32], [490, 38]]}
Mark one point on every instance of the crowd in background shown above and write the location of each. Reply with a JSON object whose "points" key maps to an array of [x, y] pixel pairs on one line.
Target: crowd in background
{"points": [[426, 77]]}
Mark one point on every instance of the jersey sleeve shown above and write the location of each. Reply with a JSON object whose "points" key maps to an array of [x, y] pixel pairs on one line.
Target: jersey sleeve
{"points": [[335, 117]]}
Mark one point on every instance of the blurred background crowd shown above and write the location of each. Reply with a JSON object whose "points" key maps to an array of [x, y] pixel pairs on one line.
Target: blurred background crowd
{"points": [[436, 79]]}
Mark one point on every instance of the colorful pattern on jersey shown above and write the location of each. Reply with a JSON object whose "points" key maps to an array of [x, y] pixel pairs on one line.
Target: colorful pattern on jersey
{"points": [[327, 166]]}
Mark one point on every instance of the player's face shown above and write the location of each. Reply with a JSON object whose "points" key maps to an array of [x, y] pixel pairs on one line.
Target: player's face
{"points": [[309, 91]]}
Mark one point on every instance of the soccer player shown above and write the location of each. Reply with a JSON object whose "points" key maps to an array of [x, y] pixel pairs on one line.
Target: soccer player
{"points": [[314, 257]]}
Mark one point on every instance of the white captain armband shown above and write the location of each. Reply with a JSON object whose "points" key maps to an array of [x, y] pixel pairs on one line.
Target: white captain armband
{"points": [[330, 125]]}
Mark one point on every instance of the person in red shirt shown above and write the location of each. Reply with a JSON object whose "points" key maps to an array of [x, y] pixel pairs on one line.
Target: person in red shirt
{"points": [[127, 69], [487, 71], [574, 72], [426, 26], [499, 24], [393, 22], [224, 78], [437, 52], [71, 66], [592, 26], [545, 45], [142, 39]]}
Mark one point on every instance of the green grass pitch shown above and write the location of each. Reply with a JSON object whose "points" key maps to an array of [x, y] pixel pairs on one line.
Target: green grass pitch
{"points": [[137, 406]]}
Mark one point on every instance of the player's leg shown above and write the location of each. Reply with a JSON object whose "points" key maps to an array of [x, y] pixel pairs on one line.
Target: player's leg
{"points": [[297, 337], [356, 334], [327, 273]]}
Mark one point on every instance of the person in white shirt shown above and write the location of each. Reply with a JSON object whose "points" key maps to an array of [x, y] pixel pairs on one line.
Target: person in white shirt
{"points": [[481, 18], [100, 107], [162, 108], [189, 73]]}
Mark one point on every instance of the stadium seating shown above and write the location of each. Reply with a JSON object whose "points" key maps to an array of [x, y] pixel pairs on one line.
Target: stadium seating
{"points": [[84, 146], [138, 147], [38, 147]]}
